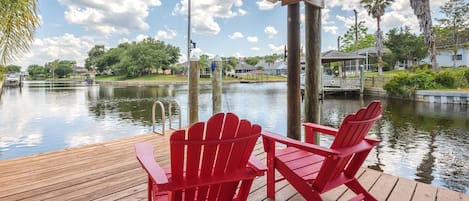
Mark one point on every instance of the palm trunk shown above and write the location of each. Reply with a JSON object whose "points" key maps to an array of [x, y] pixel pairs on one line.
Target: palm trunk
{"points": [[422, 11], [379, 46]]}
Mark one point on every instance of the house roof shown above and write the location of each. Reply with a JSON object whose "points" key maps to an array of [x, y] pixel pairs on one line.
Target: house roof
{"points": [[371, 51], [334, 55]]}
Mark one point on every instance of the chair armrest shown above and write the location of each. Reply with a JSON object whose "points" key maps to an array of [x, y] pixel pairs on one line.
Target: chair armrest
{"points": [[146, 158], [257, 166], [326, 152], [362, 146], [320, 128]]}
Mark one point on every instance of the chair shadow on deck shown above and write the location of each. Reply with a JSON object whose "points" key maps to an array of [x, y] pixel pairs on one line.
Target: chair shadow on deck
{"points": [[312, 169]]}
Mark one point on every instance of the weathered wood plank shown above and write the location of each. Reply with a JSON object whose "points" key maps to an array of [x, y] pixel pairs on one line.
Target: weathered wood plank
{"points": [[383, 187], [424, 192], [443, 194], [403, 190], [367, 180]]}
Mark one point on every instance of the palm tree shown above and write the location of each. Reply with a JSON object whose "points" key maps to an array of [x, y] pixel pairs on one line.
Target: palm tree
{"points": [[375, 8], [422, 11], [18, 21]]}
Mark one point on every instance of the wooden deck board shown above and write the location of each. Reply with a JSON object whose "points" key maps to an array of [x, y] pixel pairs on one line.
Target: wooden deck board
{"points": [[109, 171]]}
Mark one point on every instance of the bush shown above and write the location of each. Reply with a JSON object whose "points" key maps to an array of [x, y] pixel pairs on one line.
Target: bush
{"points": [[405, 85], [445, 79]]}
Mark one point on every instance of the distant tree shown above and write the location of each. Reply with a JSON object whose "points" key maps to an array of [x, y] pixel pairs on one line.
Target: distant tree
{"points": [[252, 60], [422, 10], [204, 63], [59, 68], [18, 21], [145, 57], [405, 45], [456, 17], [13, 68], [94, 56], [36, 71], [376, 8], [270, 60], [229, 63], [365, 40]]}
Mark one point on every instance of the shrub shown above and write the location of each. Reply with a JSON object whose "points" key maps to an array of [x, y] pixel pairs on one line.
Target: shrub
{"points": [[445, 79], [405, 85]]}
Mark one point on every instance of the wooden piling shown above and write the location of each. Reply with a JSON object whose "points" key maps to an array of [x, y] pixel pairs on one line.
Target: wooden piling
{"points": [[193, 90], [217, 85], [312, 106], [294, 69]]}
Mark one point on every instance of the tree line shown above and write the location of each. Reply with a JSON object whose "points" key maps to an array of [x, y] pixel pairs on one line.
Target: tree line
{"points": [[133, 59]]}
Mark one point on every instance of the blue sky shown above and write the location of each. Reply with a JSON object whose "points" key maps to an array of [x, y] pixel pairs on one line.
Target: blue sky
{"points": [[70, 28]]}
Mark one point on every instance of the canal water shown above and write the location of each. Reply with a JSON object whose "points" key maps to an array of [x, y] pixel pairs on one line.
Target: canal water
{"points": [[420, 141]]}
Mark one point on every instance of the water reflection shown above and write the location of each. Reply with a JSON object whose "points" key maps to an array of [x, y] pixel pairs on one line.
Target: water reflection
{"points": [[425, 142]]}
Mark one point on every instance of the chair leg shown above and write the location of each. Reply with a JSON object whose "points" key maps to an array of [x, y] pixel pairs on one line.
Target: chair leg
{"points": [[150, 189], [357, 188], [271, 181], [244, 189]]}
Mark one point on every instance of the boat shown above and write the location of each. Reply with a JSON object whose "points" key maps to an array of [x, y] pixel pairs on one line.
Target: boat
{"points": [[13, 79]]}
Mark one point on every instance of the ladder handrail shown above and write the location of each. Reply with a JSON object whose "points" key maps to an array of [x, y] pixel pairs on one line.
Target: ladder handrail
{"points": [[162, 115]]}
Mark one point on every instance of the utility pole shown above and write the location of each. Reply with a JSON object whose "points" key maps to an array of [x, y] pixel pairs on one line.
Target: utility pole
{"points": [[356, 41]]}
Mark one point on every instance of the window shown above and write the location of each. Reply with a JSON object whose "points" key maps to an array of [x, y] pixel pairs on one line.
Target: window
{"points": [[458, 57]]}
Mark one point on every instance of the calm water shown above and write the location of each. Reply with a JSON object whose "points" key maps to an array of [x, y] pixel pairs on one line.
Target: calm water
{"points": [[425, 142]]}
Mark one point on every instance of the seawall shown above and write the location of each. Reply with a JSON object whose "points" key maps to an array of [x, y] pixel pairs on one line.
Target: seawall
{"points": [[429, 96]]}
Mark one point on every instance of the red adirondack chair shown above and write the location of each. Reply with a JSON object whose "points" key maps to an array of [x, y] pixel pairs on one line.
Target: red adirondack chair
{"points": [[208, 161], [312, 169]]}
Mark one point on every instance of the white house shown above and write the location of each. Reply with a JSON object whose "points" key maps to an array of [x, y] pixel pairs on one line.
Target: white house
{"points": [[445, 58]]}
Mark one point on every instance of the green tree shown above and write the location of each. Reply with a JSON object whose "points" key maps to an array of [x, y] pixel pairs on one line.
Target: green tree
{"points": [[13, 68], [252, 60], [229, 63], [375, 8], [204, 63], [365, 40], [270, 59], [36, 70], [94, 56], [456, 17], [18, 21], [59, 68], [405, 45], [422, 10]]}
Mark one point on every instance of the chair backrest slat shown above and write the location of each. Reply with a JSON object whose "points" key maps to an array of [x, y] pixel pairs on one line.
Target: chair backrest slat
{"points": [[349, 134], [198, 155]]}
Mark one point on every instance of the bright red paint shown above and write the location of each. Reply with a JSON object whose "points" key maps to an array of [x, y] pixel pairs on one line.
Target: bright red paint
{"points": [[313, 169], [208, 162]]}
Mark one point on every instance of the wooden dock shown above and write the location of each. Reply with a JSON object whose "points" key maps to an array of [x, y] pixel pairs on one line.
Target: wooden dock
{"points": [[110, 171]]}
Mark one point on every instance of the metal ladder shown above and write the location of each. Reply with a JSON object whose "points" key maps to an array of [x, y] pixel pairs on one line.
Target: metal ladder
{"points": [[159, 103]]}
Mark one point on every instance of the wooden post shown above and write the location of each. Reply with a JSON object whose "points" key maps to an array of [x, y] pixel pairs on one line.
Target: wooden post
{"points": [[194, 90], [294, 70], [313, 65], [216, 86]]}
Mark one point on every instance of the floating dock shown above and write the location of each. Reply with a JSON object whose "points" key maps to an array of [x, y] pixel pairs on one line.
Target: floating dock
{"points": [[110, 171]]}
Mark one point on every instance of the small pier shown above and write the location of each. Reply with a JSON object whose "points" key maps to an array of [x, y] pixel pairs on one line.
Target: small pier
{"points": [[110, 171]]}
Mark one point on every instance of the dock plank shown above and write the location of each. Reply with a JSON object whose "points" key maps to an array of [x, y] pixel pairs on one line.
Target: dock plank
{"points": [[383, 186], [403, 190]]}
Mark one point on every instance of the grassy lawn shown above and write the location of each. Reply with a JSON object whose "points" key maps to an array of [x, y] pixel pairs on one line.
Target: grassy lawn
{"points": [[391, 73]]}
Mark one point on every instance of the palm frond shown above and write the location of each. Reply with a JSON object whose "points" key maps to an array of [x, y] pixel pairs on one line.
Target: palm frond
{"points": [[18, 22]]}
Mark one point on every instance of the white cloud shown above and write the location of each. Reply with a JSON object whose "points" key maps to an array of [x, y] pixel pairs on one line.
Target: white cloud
{"points": [[270, 31], [109, 17], [331, 29], [276, 49], [266, 5], [141, 37], [65, 47], [255, 49], [204, 13], [236, 35], [165, 34], [242, 12], [252, 39]]}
